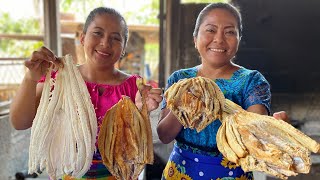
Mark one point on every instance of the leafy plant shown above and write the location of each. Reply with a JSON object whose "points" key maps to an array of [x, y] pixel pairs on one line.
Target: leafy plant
{"points": [[146, 14], [18, 48], [80, 8]]}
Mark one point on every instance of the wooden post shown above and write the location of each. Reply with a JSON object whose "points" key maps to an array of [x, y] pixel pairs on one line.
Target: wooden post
{"points": [[162, 49], [52, 38], [173, 35], [169, 39]]}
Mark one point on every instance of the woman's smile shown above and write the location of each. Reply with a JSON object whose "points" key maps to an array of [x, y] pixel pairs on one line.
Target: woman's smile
{"points": [[106, 54], [217, 50]]}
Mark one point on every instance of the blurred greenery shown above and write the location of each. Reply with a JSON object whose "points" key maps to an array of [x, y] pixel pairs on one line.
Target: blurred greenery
{"points": [[79, 7], [18, 48], [152, 56], [147, 14]]}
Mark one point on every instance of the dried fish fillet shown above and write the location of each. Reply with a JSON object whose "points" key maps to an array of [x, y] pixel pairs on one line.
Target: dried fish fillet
{"points": [[125, 138], [274, 146], [253, 141], [196, 102]]}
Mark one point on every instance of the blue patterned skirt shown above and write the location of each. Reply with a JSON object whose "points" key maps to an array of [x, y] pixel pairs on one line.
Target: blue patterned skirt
{"points": [[186, 165]]}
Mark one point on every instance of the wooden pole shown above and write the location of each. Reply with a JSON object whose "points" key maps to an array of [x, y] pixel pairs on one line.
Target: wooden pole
{"points": [[51, 21]]}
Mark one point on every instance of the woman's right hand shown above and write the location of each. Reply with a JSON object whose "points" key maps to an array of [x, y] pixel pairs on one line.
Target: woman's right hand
{"points": [[39, 63]]}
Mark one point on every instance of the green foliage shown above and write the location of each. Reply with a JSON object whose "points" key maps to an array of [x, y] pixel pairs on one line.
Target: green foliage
{"points": [[18, 48], [79, 7], [152, 58], [152, 52], [21, 26], [146, 14]]}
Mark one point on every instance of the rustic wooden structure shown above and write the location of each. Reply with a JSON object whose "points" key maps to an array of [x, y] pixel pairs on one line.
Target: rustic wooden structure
{"points": [[62, 36], [279, 37], [176, 41]]}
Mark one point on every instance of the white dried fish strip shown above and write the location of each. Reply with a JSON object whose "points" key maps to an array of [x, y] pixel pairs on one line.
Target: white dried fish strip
{"points": [[63, 133]]}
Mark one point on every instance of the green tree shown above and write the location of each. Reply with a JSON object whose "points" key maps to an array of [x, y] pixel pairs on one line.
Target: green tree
{"points": [[79, 7], [18, 48], [145, 15]]}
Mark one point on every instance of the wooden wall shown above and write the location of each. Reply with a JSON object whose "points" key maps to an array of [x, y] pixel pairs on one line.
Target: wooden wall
{"points": [[178, 40], [281, 40]]}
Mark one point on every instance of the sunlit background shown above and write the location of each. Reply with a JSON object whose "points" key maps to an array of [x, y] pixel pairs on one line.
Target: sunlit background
{"points": [[21, 30]]}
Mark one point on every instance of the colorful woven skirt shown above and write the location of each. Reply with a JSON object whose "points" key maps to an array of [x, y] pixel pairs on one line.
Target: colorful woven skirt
{"points": [[97, 171], [185, 165]]}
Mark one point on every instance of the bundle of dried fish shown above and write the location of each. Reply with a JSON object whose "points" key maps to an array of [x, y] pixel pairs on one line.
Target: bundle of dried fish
{"points": [[125, 138], [196, 102], [253, 141], [63, 133], [262, 143]]}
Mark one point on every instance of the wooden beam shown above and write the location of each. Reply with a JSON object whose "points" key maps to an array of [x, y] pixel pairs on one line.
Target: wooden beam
{"points": [[13, 58], [70, 27], [149, 33], [22, 37], [140, 28]]}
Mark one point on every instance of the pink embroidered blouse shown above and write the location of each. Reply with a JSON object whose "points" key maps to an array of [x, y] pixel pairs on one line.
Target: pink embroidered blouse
{"points": [[110, 95]]}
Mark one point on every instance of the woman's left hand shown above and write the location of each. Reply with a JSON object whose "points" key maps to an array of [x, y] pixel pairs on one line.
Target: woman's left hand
{"points": [[154, 97], [282, 115]]}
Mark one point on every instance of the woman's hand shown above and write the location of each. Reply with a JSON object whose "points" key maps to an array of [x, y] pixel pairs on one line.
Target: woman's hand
{"points": [[281, 115], [39, 63], [168, 126], [154, 97]]}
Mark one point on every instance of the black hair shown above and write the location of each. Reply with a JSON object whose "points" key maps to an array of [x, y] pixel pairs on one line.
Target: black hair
{"points": [[204, 12], [107, 10]]}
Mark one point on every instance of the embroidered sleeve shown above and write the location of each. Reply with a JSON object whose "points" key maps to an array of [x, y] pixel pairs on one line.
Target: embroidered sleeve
{"points": [[257, 91], [171, 80]]}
